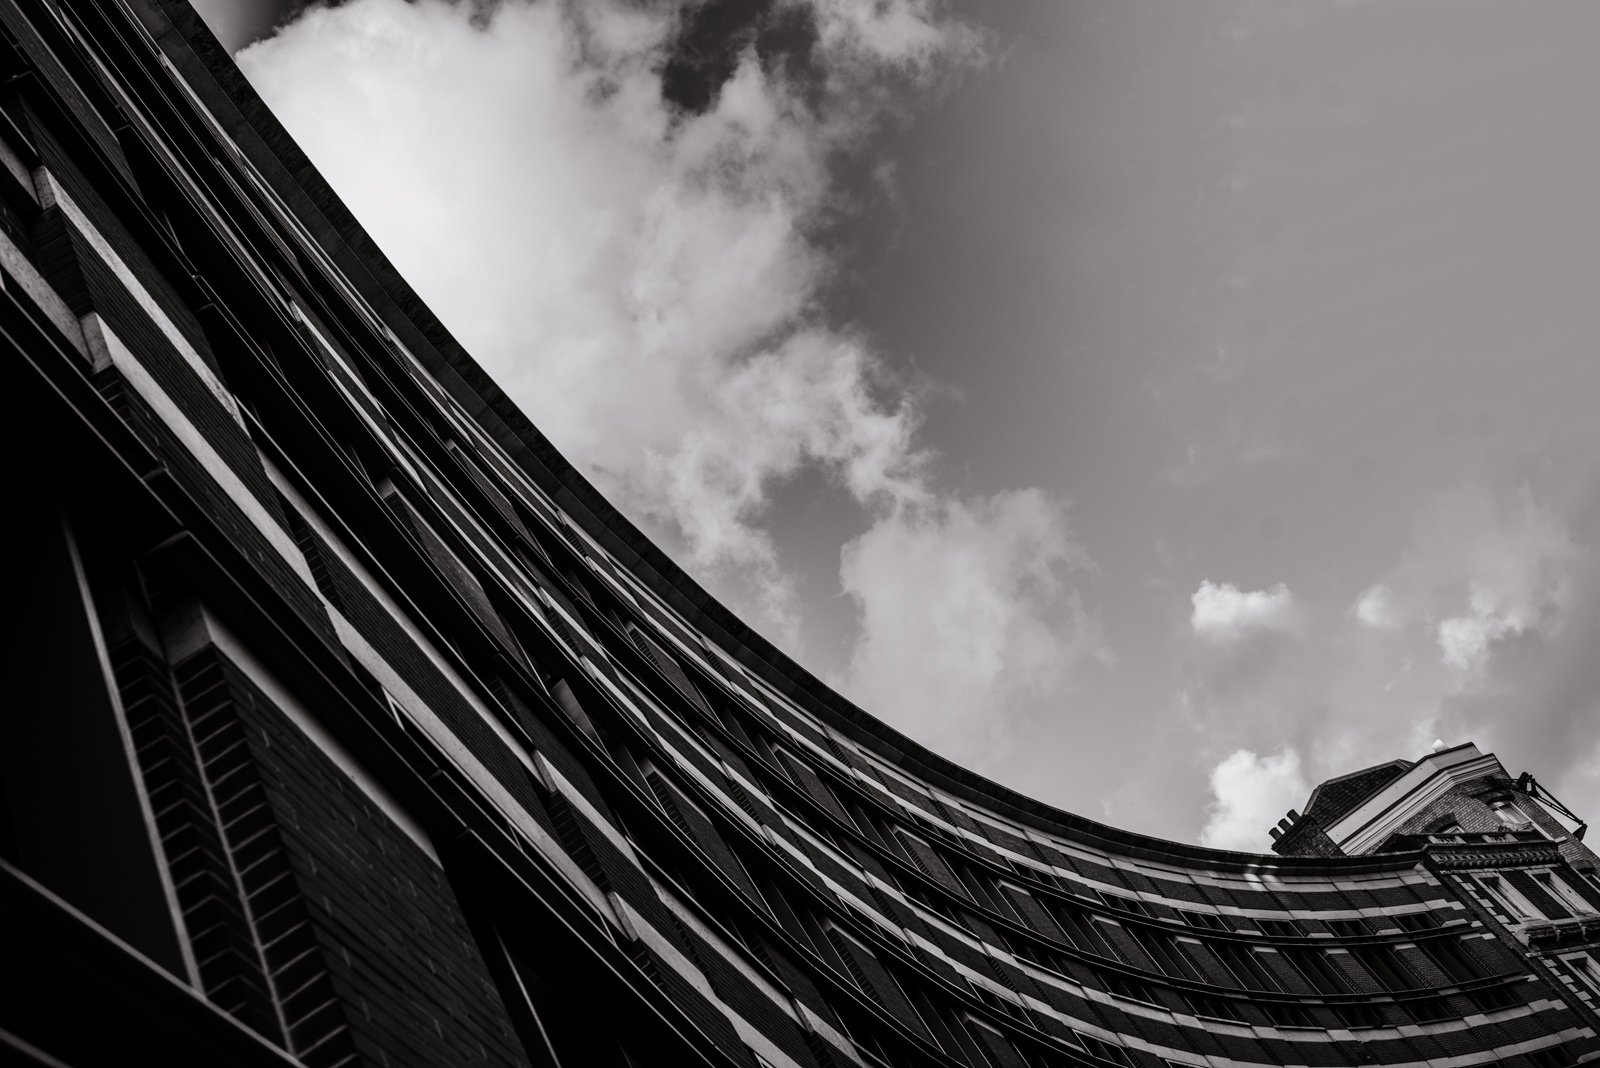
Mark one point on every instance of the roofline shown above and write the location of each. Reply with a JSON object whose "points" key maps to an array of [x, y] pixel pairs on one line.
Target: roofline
{"points": [[1380, 814], [1316, 791]]}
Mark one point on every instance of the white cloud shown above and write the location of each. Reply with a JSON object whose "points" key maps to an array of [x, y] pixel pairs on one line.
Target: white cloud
{"points": [[1376, 608], [1250, 794], [641, 281], [1224, 613], [967, 617], [1482, 571], [1464, 640]]}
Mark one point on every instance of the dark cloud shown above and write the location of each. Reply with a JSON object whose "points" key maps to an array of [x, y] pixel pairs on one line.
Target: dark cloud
{"points": [[714, 37]]}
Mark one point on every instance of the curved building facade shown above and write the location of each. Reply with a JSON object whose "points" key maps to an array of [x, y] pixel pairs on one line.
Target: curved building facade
{"points": [[350, 725]]}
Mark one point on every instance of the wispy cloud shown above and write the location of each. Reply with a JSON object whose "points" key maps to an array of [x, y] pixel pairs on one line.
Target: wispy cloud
{"points": [[1480, 571], [639, 276], [618, 208], [968, 618], [1510, 586], [1244, 667], [1376, 608]]}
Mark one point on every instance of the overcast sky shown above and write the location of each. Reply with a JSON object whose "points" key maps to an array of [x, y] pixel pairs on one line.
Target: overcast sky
{"points": [[1156, 406]]}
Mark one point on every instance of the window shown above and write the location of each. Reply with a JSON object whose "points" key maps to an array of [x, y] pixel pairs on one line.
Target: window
{"points": [[1447, 825], [1317, 969], [1492, 998], [1559, 888], [1353, 1016], [1448, 955], [1428, 1009], [1349, 928], [1126, 904], [1383, 965], [1286, 1015], [1018, 903], [1164, 950], [1104, 1050], [1280, 928], [1003, 1006], [1207, 920], [1248, 969], [1126, 987], [1217, 1008], [917, 852], [979, 887], [1081, 931], [1510, 899], [1549, 1057], [1586, 968], [929, 900], [1510, 815], [997, 1048]]}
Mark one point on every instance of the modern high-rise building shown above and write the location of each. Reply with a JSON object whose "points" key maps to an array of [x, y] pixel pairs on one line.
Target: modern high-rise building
{"points": [[346, 724]]}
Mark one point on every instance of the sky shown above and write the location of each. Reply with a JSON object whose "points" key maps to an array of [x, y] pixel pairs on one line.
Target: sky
{"points": [[1157, 407]]}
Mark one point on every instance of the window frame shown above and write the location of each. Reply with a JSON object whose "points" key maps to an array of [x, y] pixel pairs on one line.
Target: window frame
{"points": [[1510, 898], [1552, 882]]}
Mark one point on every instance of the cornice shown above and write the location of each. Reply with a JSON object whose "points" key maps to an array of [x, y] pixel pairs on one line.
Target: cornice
{"points": [[1561, 934], [1480, 855]]}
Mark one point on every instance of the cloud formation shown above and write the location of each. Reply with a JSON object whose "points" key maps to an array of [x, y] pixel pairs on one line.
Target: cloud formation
{"points": [[1250, 793], [1376, 608], [1224, 613], [1484, 629], [1522, 648], [968, 617], [1481, 570], [621, 211], [639, 278]]}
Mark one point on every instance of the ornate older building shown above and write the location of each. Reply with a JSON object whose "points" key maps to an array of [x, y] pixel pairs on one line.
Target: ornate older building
{"points": [[349, 725]]}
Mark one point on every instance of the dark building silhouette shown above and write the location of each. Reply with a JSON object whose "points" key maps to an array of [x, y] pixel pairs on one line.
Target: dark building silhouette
{"points": [[347, 724]]}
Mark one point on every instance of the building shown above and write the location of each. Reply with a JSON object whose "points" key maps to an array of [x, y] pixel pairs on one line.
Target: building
{"points": [[350, 725]]}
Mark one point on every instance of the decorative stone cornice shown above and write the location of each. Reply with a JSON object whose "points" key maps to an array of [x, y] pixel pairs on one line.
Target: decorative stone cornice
{"points": [[1492, 855], [1559, 934]]}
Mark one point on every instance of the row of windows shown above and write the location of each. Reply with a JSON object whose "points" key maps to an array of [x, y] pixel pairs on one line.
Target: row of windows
{"points": [[1313, 964], [1242, 966], [1557, 899], [775, 890], [1249, 973], [947, 1025], [1246, 970], [1283, 928]]}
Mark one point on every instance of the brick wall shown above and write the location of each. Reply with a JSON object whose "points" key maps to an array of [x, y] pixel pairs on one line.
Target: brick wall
{"points": [[379, 912]]}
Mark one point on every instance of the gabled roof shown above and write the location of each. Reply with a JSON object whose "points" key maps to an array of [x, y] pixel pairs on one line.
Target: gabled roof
{"points": [[1336, 796]]}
